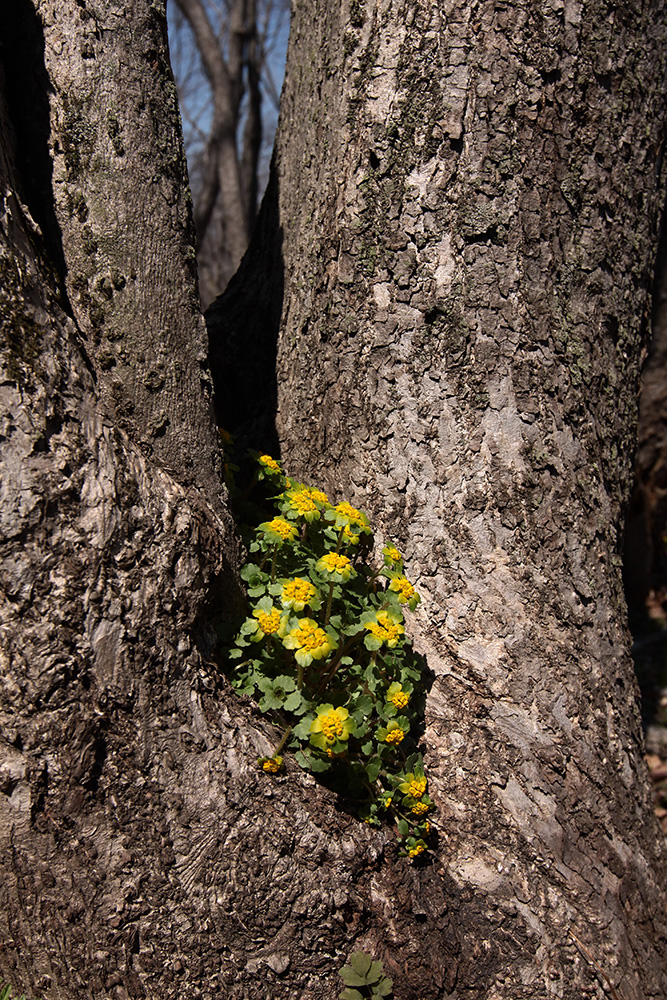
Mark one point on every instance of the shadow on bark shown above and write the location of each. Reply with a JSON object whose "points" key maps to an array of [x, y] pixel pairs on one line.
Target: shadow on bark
{"points": [[243, 326], [27, 88], [645, 552]]}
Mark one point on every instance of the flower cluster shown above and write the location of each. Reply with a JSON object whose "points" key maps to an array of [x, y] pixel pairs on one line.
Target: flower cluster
{"points": [[324, 649]]}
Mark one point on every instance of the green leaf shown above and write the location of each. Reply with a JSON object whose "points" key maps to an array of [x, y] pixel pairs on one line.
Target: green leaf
{"points": [[365, 704], [303, 706], [362, 728], [361, 963], [384, 987], [347, 994], [403, 828], [317, 764], [374, 973], [269, 702], [302, 729], [302, 760], [352, 978], [251, 572], [292, 701], [285, 682], [309, 762], [373, 768]]}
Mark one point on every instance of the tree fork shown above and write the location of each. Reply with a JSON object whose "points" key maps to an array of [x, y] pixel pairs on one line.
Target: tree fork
{"points": [[142, 853]]}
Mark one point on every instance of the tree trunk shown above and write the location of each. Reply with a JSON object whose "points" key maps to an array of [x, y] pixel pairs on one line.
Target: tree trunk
{"points": [[644, 557], [226, 82], [142, 853], [468, 207]]}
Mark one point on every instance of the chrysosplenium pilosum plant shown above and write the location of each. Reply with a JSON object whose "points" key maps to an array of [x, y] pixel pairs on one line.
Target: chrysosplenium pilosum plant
{"points": [[324, 651]]}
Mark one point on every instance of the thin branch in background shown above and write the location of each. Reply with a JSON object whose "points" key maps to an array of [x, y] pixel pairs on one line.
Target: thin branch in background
{"points": [[227, 57]]}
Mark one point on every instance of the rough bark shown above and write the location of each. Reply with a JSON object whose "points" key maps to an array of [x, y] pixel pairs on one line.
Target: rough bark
{"points": [[112, 166], [141, 851], [644, 561], [468, 207]]}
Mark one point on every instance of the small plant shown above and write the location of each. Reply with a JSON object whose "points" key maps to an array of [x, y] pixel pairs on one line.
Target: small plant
{"points": [[6, 993], [364, 978], [324, 651]]}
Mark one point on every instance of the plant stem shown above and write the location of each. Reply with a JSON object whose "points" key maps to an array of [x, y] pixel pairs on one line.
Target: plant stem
{"points": [[333, 666], [328, 611], [282, 742]]}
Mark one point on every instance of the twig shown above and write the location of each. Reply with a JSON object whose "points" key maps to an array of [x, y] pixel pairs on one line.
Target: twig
{"points": [[589, 958]]}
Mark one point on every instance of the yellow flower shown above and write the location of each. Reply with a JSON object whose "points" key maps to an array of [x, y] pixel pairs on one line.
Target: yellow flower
{"points": [[420, 808], [270, 463], [302, 503], [427, 828], [416, 787], [271, 764], [394, 736], [406, 592], [279, 530], [309, 641], [317, 495], [336, 565], [345, 514], [269, 623], [385, 627], [392, 555], [347, 510], [330, 726], [350, 536], [297, 593], [418, 849], [397, 696]]}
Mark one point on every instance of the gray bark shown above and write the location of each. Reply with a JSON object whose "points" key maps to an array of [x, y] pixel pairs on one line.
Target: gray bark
{"points": [[142, 853], [117, 167], [468, 210]]}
